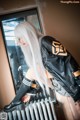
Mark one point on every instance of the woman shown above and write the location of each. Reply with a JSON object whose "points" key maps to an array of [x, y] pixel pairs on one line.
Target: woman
{"points": [[44, 53]]}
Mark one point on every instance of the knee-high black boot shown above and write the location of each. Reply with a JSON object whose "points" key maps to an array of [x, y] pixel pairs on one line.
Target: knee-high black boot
{"points": [[24, 88]]}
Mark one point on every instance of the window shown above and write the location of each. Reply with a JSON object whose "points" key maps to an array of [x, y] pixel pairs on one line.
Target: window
{"points": [[16, 59]]}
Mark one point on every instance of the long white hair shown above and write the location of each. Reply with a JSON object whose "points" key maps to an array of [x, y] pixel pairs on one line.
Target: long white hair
{"points": [[32, 53]]}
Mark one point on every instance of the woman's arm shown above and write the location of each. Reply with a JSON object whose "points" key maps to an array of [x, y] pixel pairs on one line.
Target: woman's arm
{"points": [[54, 46]]}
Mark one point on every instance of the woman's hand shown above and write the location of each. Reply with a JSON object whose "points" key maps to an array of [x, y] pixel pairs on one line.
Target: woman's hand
{"points": [[26, 98]]}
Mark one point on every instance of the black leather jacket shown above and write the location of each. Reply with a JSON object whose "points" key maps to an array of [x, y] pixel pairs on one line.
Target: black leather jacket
{"points": [[60, 63]]}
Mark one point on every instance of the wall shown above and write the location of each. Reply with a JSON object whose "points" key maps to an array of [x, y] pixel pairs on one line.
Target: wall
{"points": [[9, 5], [6, 85]]}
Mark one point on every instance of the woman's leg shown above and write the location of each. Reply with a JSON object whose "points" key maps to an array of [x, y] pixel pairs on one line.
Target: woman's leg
{"points": [[24, 88]]}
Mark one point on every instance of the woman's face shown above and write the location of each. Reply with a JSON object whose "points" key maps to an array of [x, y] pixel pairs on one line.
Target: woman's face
{"points": [[22, 42]]}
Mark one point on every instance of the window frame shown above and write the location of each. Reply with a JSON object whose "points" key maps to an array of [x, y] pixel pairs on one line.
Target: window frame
{"points": [[12, 15]]}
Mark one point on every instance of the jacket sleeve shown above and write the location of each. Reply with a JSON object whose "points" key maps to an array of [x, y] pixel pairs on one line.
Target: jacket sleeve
{"points": [[61, 64], [54, 46], [51, 46]]}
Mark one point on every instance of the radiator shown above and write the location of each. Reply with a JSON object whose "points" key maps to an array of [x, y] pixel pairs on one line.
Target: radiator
{"points": [[40, 107], [38, 110]]}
